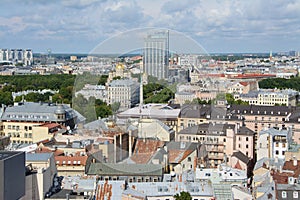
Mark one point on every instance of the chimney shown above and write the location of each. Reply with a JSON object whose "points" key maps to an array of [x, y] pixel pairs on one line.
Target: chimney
{"points": [[295, 161]]}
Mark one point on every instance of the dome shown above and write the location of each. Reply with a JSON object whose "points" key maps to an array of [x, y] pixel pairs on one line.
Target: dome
{"points": [[120, 66], [60, 110]]}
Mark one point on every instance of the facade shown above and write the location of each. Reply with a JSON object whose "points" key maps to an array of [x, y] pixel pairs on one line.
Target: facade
{"points": [[71, 165], [12, 175], [244, 141], [152, 128], [41, 171], [168, 114], [97, 91], [242, 87], [222, 179], [184, 97], [24, 56], [273, 143], [156, 55], [270, 97], [119, 72], [124, 91], [122, 171], [30, 122], [218, 140]]}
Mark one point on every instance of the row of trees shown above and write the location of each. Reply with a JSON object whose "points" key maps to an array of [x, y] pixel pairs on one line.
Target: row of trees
{"points": [[228, 97]]}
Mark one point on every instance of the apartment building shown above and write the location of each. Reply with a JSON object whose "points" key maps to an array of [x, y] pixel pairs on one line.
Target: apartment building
{"points": [[125, 91], [24, 56], [219, 140], [273, 143], [29, 122], [270, 97]]}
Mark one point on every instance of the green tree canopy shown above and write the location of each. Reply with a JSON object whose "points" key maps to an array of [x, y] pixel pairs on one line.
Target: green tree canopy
{"points": [[183, 196]]}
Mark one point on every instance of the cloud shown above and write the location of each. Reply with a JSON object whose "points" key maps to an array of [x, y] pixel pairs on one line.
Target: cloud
{"points": [[92, 21]]}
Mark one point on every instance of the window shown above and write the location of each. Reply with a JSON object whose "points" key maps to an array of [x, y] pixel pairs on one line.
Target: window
{"points": [[189, 159], [283, 194], [295, 195], [276, 152], [247, 146], [247, 139]]}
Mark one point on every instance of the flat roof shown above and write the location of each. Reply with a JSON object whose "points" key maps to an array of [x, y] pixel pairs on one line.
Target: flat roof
{"points": [[8, 154]]}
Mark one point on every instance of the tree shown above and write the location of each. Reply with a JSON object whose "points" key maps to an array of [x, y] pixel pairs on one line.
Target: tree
{"points": [[115, 106], [183, 196]]}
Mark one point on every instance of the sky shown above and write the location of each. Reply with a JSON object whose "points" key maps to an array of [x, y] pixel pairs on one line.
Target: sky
{"points": [[218, 26]]}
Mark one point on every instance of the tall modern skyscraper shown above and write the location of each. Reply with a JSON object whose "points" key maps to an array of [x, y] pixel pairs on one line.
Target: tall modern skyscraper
{"points": [[156, 54]]}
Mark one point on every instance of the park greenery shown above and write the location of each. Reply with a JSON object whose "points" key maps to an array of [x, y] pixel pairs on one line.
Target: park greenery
{"points": [[280, 83], [183, 196], [220, 97], [154, 92]]}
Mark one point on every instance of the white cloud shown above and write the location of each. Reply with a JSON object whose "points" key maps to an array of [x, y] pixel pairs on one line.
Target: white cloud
{"points": [[95, 20]]}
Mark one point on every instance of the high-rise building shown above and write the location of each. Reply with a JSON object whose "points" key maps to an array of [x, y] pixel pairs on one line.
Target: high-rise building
{"points": [[156, 54], [12, 175], [24, 56]]}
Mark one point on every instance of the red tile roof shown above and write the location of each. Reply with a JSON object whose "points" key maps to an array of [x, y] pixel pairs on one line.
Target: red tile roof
{"points": [[70, 160], [145, 149], [176, 156], [282, 178]]}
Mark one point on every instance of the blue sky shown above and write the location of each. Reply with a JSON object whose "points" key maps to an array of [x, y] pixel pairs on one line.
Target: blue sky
{"points": [[218, 25]]}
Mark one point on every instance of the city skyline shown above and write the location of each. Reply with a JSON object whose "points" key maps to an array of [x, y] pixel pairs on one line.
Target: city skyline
{"points": [[78, 26]]}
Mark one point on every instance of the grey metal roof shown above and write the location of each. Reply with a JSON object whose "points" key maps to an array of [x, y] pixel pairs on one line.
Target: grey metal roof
{"points": [[242, 157], [123, 83], [207, 128], [30, 111], [243, 130], [181, 145], [7, 154], [38, 156], [97, 124], [123, 169]]}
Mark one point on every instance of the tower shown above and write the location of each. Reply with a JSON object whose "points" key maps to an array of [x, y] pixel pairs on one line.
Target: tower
{"points": [[156, 54]]}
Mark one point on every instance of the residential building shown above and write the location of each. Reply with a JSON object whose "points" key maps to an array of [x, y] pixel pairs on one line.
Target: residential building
{"points": [[29, 122], [24, 56], [153, 128], [263, 184], [71, 165], [167, 113], [184, 97], [122, 171], [97, 91], [273, 143], [124, 91], [239, 160], [41, 171], [156, 54], [270, 97], [218, 139], [119, 72], [242, 87], [287, 180], [182, 156], [12, 175], [222, 179], [244, 141]]}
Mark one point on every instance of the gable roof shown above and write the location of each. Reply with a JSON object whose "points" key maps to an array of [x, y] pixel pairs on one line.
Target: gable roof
{"points": [[240, 156]]}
